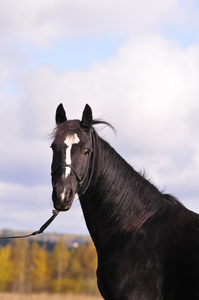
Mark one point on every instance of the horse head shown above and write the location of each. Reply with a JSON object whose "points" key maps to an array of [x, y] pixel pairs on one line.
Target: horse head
{"points": [[72, 149]]}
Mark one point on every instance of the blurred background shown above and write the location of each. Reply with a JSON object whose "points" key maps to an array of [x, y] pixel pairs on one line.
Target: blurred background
{"points": [[136, 63]]}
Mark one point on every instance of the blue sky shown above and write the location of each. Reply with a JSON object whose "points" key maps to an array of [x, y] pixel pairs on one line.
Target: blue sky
{"points": [[135, 62], [76, 53]]}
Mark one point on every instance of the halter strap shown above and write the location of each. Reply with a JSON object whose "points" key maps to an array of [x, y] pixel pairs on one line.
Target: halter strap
{"points": [[65, 166], [92, 167]]}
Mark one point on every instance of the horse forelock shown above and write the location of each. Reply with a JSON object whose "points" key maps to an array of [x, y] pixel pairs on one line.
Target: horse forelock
{"points": [[73, 126]]}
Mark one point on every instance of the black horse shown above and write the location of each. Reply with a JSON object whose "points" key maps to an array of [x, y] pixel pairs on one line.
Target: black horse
{"points": [[147, 242]]}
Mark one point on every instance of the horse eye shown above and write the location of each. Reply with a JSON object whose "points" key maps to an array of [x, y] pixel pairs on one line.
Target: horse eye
{"points": [[86, 151]]}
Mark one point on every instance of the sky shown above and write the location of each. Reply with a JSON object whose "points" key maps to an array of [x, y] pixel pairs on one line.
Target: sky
{"points": [[135, 62]]}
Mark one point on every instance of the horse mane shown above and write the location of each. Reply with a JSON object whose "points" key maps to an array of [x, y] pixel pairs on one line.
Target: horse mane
{"points": [[172, 199], [99, 121], [135, 198]]}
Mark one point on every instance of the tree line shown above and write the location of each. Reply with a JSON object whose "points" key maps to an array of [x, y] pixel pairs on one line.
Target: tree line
{"points": [[27, 268]]}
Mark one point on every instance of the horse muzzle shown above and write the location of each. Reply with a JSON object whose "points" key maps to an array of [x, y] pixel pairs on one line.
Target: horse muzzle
{"points": [[62, 198]]}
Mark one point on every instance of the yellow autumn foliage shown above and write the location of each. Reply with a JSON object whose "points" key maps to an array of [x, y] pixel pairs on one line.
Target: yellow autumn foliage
{"points": [[28, 267]]}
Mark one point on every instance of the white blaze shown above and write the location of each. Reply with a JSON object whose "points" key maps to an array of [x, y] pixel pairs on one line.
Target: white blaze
{"points": [[70, 140]]}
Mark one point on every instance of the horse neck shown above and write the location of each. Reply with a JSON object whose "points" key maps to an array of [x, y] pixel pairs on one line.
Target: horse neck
{"points": [[118, 199]]}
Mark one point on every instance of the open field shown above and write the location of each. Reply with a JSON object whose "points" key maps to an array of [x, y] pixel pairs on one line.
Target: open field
{"points": [[44, 296]]}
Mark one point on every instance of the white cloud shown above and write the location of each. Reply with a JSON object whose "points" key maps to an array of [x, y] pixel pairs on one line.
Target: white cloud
{"points": [[20, 201], [149, 85], [42, 22], [28, 208]]}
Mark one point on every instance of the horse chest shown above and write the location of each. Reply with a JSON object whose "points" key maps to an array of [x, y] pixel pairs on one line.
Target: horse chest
{"points": [[127, 273]]}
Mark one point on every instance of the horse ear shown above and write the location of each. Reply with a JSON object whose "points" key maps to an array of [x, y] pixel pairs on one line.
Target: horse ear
{"points": [[87, 117], [60, 116]]}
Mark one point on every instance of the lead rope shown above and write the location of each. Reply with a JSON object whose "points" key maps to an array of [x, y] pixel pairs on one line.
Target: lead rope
{"points": [[43, 227]]}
